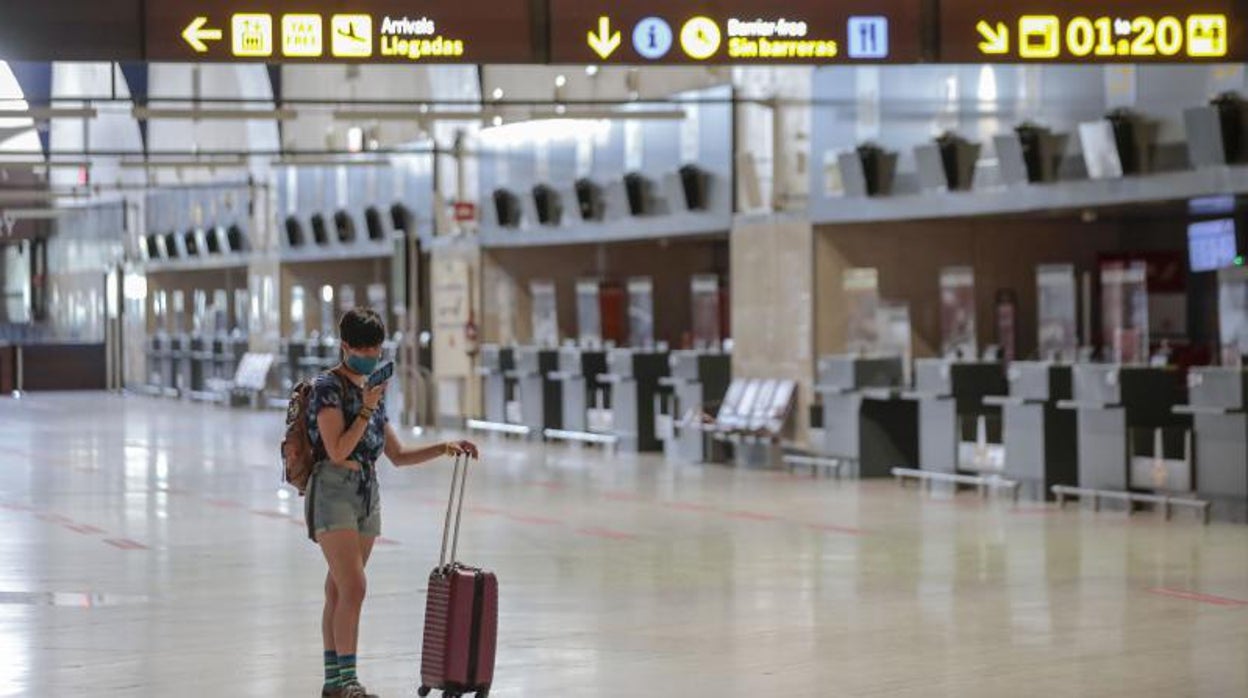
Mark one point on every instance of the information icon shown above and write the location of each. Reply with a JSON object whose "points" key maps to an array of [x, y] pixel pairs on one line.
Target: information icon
{"points": [[653, 38], [700, 38]]}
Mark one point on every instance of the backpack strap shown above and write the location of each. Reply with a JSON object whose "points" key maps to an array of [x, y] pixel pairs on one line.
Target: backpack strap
{"points": [[318, 448]]}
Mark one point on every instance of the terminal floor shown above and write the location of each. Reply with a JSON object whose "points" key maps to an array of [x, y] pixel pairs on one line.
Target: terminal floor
{"points": [[149, 551]]}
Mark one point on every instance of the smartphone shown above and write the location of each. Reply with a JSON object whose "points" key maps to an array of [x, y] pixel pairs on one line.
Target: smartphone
{"points": [[381, 375]]}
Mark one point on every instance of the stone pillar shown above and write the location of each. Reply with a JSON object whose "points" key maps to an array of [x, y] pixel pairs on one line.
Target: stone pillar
{"points": [[773, 304], [456, 299], [264, 270]]}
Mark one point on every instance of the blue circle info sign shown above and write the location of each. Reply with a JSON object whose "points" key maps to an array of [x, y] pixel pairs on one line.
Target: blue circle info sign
{"points": [[652, 38]]}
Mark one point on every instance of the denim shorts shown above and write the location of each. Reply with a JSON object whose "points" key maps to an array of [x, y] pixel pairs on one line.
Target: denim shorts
{"points": [[340, 499]]}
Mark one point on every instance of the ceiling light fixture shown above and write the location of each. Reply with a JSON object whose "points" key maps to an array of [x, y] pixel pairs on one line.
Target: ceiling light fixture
{"points": [[203, 114], [46, 113], [160, 163]]}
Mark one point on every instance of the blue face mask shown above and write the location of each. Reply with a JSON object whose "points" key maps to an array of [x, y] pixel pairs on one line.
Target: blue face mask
{"points": [[362, 365]]}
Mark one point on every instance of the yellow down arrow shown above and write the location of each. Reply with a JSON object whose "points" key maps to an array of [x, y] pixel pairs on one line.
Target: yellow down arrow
{"points": [[196, 35], [996, 39], [604, 43]]}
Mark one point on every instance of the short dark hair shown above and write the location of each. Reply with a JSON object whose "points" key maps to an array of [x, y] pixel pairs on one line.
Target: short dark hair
{"points": [[362, 328]]}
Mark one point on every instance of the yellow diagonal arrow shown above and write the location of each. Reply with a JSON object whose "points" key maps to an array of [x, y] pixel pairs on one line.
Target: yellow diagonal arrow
{"points": [[996, 39], [604, 43], [195, 34]]}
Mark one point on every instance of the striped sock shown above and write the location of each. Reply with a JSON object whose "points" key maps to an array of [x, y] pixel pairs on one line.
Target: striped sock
{"points": [[346, 670], [332, 679]]}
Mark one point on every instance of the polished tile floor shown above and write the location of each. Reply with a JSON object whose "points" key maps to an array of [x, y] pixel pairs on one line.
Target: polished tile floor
{"points": [[148, 550]]}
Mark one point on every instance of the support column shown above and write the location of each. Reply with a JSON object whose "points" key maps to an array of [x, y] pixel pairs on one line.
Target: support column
{"points": [[773, 304], [455, 289]]}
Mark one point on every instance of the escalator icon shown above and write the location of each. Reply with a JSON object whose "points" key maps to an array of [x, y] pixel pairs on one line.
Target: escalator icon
{"points": [[352, 36]]}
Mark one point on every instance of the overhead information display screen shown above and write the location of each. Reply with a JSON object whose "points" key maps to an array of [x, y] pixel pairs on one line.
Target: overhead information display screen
{"points": [[744, 32], [1092, 31], [341, 31]]}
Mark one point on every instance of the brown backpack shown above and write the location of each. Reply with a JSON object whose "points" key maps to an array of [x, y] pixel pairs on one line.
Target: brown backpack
{"points": [[299, 454]]}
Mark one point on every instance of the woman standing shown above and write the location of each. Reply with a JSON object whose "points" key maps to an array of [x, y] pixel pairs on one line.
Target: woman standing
{"points": [[350, 429]]}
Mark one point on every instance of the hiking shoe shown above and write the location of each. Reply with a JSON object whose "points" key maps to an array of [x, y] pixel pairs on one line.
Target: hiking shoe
{"points": [[354, 690]]}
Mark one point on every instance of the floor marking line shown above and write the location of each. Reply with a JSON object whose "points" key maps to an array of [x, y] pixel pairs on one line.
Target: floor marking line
{"points": [[607, 533], [833, 528], [268, 514], [1197, 596], [224, 503], [751, 516], [688, 506], [125, 544], [535, 520]]}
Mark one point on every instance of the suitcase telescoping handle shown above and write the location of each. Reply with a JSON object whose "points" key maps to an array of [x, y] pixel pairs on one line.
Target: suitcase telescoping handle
{"points": [[459, 482]]}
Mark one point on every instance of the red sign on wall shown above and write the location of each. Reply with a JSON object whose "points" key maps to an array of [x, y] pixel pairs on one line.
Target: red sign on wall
{"points": [[465, 212]]}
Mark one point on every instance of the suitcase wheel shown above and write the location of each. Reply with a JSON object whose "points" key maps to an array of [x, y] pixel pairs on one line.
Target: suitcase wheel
{"points": [[423, 691]]}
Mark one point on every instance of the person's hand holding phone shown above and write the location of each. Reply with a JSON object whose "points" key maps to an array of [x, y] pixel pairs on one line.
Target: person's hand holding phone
{"points": [[381, 375], [373, 396]]}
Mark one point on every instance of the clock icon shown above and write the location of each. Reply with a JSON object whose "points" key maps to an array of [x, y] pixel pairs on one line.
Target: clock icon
{"points": [[700, 38]]}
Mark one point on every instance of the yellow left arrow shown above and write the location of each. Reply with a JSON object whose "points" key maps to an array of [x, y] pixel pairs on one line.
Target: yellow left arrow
{"points": [[195, 34]]}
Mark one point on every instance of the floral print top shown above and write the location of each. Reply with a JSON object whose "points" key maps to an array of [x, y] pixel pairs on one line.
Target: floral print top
{"points": [[331, 390]]}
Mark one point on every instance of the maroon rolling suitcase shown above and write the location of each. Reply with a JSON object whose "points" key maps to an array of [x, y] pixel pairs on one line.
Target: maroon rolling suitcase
{"points": [[461, 615]]}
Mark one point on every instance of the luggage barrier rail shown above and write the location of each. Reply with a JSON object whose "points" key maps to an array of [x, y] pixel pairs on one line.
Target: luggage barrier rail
{"points": [[981, 484], [818, 464], [1168, 503], [498, 428], [610, 441]]}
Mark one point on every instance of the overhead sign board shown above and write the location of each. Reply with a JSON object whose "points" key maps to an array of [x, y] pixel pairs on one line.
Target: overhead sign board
{"points": [[71, 30], [341, 31], [1093, 31], [744, 32]]}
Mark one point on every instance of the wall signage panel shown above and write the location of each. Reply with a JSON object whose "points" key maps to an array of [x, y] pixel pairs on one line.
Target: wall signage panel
{"points": [[744, 32], [341, 31], [1092, 31]]}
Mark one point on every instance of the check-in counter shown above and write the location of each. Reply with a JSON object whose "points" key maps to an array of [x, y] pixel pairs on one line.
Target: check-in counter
{"points": [[1039, 439], [579, 386], [698, 381], [950, 395], [860, 416], [1127, 427], [50, 366], [1218, 406], [497, 364], [635, 377]]}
